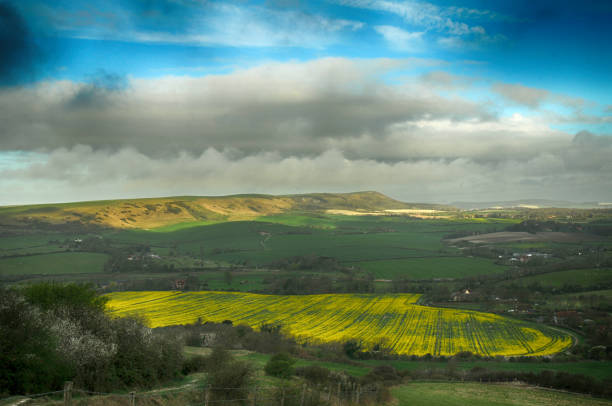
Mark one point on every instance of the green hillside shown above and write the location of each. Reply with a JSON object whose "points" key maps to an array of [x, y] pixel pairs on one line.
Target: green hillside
{"points": [[174, 212]]}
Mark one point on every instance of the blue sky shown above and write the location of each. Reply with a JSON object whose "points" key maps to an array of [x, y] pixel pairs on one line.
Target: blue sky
{"points": [[525, 76]]}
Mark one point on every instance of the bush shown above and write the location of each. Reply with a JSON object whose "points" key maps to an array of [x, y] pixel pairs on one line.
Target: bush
{"points": [[29, 362], [196, 363], [383, 373], [218, 359], [231, 382], [314, 373], [351, 348], [280, 365], [64, 334]]}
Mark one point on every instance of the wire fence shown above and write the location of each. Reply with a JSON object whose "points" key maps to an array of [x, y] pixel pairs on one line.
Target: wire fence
{"points": [[281, 395]]}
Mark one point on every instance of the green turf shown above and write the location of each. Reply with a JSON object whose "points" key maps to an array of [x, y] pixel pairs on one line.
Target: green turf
{"points": [[316, 220], [246, 281], [577, 277], [595, 369], [607, 293], [477, 394], [54, 264], [428, 268], [20, 242], [185, 225]]}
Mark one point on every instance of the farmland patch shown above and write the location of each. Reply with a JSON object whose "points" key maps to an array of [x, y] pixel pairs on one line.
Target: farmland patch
{"points": [[393, 322]]}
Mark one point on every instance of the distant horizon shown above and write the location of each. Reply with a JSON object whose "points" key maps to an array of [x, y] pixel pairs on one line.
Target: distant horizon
{"points": [[603, 204]]}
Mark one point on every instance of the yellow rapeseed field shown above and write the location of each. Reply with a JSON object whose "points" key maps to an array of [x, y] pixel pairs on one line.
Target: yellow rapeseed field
{"points": [[393, 321]]}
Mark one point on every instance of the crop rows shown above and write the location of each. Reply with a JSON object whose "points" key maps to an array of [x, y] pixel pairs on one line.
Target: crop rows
{"points": [[394, 322]]}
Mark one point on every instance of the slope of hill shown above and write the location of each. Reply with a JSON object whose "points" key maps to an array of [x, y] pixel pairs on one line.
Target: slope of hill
{"points": [[157, 212]]}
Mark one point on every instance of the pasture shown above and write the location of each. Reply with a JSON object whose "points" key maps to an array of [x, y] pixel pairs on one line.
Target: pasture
{"points": [[53, 264], [574, 277], [475, 394], [596, 369], [391, 322], [386, 247], [429, 268], [371, 244]]}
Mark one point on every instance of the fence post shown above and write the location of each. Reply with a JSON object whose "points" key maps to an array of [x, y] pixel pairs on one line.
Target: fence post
{"points": [[358, 392], [132, 398], [329, 393], [303, 395], [254, 400], [68, 393], [283, 395], [207, 396], [339, 400]]}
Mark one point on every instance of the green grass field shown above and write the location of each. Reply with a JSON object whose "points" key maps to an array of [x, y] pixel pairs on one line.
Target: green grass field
{"points": [[577, 277], [607, 293], [428, 268], [54, 264], [477, 394], [381, 241], [595, 369]]}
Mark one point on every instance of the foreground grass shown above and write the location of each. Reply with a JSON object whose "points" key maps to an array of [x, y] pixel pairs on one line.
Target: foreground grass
{"points": [[477, 394]]}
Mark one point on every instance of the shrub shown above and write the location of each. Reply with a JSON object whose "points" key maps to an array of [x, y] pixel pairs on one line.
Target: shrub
{"points": [[382, 373], [280, 365], [314, 373], [28, 360], [196, 363], [231, 381], [218, 359]]}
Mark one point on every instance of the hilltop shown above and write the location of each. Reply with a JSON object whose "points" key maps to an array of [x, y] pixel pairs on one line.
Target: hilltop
{"points": [[148, 213]]}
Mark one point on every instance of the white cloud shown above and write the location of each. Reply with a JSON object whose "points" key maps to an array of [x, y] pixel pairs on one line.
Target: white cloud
{"points": [[330, 124], [422, 14], [216, 23], [400, 39], [528, 96], [570, 170]]}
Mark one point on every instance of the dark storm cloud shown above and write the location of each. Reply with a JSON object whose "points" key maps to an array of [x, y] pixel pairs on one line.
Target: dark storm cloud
{"points": [[19, 54], [587, 138], [578, 171], [97, 93], [270, 107]]}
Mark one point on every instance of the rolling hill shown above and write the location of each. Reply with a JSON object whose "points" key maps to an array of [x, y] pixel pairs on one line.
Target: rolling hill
{"points": [[158, 212]]}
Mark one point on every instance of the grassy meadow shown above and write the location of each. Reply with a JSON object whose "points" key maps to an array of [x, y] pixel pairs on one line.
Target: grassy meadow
{"points": [[53, 264], [428, 268], [575, 277], [475, 394]]}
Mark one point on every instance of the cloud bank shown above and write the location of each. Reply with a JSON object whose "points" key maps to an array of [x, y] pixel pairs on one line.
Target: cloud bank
{"points": [[329, 124]]}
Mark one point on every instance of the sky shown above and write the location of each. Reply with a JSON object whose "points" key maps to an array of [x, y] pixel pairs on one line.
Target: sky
{"points": [[425, 101]]}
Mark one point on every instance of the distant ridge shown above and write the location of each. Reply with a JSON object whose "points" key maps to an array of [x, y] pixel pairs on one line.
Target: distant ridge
{"points": [[148, 213], [530, 204]]}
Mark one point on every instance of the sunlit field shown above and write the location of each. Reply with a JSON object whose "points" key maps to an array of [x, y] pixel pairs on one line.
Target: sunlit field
{"points": [[393, 322]]}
